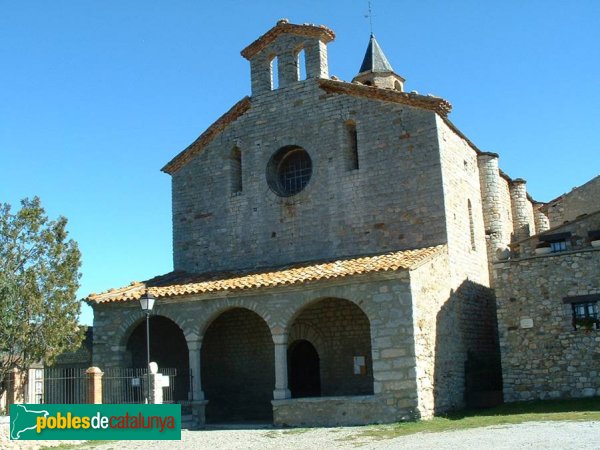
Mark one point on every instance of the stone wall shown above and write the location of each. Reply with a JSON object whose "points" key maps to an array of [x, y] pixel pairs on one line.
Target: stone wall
{"points": [[463, 206], [334, 411], [339, 331], [393, 201], [542, 355], [453, 328], [584, 199], [578, 239]]}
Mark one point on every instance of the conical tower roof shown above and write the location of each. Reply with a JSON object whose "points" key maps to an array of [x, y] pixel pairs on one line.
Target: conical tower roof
{"points": [[375, 60]]}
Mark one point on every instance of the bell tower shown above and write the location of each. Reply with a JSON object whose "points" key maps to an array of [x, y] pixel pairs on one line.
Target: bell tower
{"points": [[284, 43], [376, 70]]}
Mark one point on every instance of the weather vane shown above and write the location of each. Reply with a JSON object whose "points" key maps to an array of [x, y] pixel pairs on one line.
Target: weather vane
{"points": [[370, 16]]}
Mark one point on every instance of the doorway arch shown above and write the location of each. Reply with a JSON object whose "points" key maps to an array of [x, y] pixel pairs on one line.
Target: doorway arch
{"points": [[168, 348], [304, 370], [238, 368], [340, 333]]}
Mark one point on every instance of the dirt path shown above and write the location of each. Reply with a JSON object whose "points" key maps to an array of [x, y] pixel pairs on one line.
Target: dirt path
{"points": [[531, 435]]}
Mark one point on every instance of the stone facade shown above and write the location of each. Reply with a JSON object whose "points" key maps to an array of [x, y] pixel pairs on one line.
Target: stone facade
{"points": [[548, 289], [543, 356], [388, 173], [568, 207]]}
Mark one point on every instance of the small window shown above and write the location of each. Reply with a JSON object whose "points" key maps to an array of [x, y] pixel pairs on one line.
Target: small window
{"points": [[236, 170], [558, 246], [274, 73], [585, 316], [471, 226], [351, 144], [301, 64]]}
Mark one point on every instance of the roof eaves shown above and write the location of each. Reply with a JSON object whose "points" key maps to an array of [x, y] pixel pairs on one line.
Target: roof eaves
{"points": [[209, 134], [320, 31], [387, 262], [436, 104]]}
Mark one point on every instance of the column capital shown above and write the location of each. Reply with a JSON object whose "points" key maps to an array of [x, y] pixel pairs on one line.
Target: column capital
{"points": [[194, 344], [279, 339]]}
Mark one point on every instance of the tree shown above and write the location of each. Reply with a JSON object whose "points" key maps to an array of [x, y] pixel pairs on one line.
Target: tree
{"points": [[39, 277]]}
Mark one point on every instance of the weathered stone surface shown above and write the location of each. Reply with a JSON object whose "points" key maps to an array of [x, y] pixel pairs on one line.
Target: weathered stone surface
{"points": [[550, 359]]}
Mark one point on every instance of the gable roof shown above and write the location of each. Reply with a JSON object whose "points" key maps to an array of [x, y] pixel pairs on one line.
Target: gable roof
{"points": [[181, 283], [205, 138], [283, 26]]}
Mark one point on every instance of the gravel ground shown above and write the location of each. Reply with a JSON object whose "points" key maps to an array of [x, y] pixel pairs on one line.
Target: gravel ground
{"points": [[530, 435]]}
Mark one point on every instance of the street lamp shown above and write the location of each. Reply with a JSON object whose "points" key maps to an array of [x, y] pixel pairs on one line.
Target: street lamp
{"points": [[147, 303]]}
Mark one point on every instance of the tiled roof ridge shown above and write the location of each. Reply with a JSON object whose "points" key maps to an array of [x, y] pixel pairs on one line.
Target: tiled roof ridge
{"points": [[436, 104], [209, 134], [391, 261], [283, 26]]}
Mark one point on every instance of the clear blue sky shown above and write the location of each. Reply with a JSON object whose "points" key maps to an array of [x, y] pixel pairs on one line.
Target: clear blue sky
{"points": [[96, 96]]}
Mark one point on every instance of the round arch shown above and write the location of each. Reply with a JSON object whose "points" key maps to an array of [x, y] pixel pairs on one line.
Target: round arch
{"points": [[340, 332], [238, 374], [168, 348], [209, 315]]}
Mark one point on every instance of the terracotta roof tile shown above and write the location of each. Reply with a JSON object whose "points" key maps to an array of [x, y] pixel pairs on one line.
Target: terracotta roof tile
{"points": [[182, 283]]}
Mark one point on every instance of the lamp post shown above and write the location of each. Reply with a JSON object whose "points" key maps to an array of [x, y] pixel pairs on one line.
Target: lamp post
{"points": [[147, 303]]}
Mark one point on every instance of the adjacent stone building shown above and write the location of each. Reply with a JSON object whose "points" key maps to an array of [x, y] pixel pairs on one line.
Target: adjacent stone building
{"points": [[548, 289], [332, 246]]}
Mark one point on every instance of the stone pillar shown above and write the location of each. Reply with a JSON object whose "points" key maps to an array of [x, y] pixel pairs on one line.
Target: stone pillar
{"points": [[94, 376], [489, 179], [541, 220], [316, 59], [260, 69], [194, 347], [281, 379], [520, 213], [155, 396], [288, 69], [198, 402]]}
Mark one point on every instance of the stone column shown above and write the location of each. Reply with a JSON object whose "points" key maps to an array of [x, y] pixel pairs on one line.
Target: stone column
{"points": [[281, 379], [194, 347], [288, 69], [489, 179], [518, 196], [541, 220], [94, 375]]}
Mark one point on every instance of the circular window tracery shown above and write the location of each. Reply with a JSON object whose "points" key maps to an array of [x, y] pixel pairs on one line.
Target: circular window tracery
{"points": [[289, 171]]}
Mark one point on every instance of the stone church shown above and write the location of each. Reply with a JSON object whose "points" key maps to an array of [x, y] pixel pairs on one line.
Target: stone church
{"points": [[332, 246]]}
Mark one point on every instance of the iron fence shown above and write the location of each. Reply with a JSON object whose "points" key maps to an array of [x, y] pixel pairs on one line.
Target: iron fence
{"points": [[129, 385], [63, 385]]}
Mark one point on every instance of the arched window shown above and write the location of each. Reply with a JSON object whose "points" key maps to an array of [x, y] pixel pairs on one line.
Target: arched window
{"points": [[301, 64], [236, 170], [274, 73], [351, 145], [471, 226]]}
